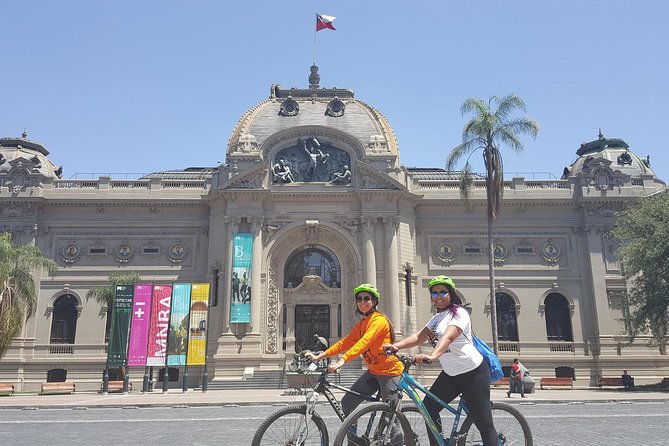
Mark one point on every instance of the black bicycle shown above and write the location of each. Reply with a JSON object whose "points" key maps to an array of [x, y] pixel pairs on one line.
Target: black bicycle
{"points": [[300, 424]]}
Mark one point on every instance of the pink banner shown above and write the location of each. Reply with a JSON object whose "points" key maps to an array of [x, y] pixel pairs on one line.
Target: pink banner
{"points": [[158, 328], [139, 327]]}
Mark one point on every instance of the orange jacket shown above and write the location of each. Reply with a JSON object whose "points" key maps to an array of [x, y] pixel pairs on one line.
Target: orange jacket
{"points": [[366, 339]]}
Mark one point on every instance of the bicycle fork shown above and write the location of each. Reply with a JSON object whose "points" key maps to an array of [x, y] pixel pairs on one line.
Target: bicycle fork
{"points": [[303, 431]]}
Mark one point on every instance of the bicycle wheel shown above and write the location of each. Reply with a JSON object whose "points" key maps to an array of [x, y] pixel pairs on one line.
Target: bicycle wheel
{"points": [[417, 423], [370, 425], [512, 428], [287, 427]]}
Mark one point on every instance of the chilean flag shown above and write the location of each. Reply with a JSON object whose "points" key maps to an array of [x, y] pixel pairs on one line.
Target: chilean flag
{"points": [[324, 21]]}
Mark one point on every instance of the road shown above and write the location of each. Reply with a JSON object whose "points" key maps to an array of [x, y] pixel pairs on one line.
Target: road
{"points": [[554, 424]]}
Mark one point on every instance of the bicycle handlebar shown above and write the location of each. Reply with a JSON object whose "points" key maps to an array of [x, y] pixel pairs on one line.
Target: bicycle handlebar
{"points": [[406, 360]]}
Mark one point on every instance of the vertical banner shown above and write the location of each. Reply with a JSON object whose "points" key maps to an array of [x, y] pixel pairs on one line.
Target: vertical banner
{"points": [[139, 325], [178, 335], [117, 352], [197, 335], [240, 297], [160, 320]]}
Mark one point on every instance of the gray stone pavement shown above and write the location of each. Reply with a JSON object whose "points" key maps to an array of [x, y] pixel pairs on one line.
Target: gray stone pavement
{"points": [[247, 397]]}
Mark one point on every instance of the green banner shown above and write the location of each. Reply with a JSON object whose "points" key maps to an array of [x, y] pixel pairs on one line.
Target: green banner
{"points": [[240, 295], [117, 352]]}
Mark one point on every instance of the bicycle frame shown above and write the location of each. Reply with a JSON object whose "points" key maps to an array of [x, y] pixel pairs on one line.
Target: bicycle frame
{"points": [[409, 385]]}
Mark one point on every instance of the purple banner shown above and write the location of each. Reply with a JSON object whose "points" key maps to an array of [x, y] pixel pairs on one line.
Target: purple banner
{"points": [[139, 327]]}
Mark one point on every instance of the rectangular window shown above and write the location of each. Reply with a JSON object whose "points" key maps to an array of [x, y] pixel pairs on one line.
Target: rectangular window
{"points": [[151, 250], [97, 251], [472, 250]]}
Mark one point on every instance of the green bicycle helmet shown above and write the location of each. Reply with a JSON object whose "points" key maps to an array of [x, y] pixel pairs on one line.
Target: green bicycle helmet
{"points": [[444, 280], [367, 287]]}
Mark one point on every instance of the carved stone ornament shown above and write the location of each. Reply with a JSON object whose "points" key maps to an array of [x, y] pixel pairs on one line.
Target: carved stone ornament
{"points": [[524, 248], [335, 108], [445, 251], [289, 107], [272, 310], [123, 252], [472, 248], [602, 179], [377, 144], [177, 252], [624, 159], [500, 252], [247, 143], [551, 252], [70, 253]]}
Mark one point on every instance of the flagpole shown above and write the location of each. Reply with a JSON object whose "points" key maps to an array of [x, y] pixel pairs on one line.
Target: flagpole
{"points": [[315, 31]]}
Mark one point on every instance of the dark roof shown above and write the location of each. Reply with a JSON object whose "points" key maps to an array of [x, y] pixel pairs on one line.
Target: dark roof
{"points": [[190, 173]]}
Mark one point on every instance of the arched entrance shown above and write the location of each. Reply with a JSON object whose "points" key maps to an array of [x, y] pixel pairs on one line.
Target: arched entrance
{"points": [[307, 282]]}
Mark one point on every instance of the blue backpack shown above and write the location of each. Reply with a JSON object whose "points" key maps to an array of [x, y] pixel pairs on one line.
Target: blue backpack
{"points": [[489, 356]]}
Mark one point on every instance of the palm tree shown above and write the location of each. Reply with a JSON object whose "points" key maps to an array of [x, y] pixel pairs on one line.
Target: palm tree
{"points": [[105, 295], [491, 126], [18, 294]]}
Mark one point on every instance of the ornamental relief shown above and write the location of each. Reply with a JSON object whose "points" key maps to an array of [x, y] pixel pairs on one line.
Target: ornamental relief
{"points": [[272, 309]]}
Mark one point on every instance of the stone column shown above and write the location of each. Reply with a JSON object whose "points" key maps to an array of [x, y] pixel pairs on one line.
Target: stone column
{"points": [[369, 274], [392, 271], [333, 324], [255, 275], [226, 275], [290, 327]]}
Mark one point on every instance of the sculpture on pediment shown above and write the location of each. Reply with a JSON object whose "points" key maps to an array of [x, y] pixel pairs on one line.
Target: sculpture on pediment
{"points": [[310, 161], [343, 176]]}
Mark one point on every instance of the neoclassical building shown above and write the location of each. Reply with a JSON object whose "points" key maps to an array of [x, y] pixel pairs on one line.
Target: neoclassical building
{"points": [[314, 175]]}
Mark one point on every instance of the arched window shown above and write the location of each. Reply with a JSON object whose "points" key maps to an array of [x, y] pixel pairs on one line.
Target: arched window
{"points": [[312, 261], [507, 324], [558, 318], [64, 320]]}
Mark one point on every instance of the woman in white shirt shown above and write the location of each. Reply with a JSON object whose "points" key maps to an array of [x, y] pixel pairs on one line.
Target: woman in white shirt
{"points": [[464, 370]]}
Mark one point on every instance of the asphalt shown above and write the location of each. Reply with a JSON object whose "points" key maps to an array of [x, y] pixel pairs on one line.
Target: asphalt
{"points": [[246, 397]]}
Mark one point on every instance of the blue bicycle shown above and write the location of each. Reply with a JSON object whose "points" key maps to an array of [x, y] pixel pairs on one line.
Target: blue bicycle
{"points": [[377, 423]]}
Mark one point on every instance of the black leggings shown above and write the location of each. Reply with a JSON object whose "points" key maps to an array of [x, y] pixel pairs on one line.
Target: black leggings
{"points": [[475, 388]]}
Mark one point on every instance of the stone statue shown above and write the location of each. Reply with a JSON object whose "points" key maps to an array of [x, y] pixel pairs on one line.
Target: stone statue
{"points": [[313, 149], [343, 176], [281, 172]]}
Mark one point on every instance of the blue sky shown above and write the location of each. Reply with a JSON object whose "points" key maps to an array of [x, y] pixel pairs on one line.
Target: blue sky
{"points": [[141, 86]]}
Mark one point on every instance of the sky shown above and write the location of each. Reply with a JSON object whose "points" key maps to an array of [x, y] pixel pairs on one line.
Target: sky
{"points": [[131, 87]]}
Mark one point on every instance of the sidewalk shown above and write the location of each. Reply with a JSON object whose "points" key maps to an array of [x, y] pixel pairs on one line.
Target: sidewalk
{"points": [[275, 397]]}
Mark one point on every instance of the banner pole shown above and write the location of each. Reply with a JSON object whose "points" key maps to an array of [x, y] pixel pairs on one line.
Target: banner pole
{"points": [[205, 373], [184, 384]]}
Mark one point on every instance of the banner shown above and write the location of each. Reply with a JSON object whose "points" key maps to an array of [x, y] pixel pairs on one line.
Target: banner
{"points": [[160, 319], [197, 335], [240, 297], [178, 334], [139, 325], [117, 352]]}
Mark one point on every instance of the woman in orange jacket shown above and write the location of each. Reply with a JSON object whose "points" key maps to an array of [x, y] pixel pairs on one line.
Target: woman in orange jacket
{"points": [[366, 338]]}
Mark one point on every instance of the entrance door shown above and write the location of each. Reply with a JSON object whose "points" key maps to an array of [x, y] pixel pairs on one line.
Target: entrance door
{"points": [[310, 319]]}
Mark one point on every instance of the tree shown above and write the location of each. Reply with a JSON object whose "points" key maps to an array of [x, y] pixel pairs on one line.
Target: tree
{"points": [[492, 126], [105, 295], [642, 231], [18, 295]]}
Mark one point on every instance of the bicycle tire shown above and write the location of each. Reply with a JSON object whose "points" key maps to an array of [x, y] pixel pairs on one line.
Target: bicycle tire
{"points": [[512, 428], [417, 423], [369, 416], [281, 428]]}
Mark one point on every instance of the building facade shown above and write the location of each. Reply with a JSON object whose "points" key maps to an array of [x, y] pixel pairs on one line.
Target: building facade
{"points": [[314, 175]]}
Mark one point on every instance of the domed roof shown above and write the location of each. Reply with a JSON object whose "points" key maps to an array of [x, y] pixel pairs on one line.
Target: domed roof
{"points": [[613, 150], [311, 108], [22, 153]]}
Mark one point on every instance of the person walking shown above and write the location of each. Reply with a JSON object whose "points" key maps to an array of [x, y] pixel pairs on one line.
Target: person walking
{"points": [[463, 369], [366, 339], [516, 379]]}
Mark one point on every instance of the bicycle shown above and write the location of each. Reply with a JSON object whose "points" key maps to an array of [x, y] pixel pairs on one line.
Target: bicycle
{"points": [[300, 424], [512, 428]]}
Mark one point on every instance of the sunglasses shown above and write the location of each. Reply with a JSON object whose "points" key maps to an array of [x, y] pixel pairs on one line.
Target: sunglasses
{"points": [[361, 298], [442, 293]]}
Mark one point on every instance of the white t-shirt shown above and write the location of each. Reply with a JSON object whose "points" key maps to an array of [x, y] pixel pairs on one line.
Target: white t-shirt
{"points": [[461, 356]]}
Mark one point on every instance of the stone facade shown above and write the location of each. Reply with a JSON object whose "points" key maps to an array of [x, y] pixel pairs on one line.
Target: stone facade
{"points": [[382, 223]]}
